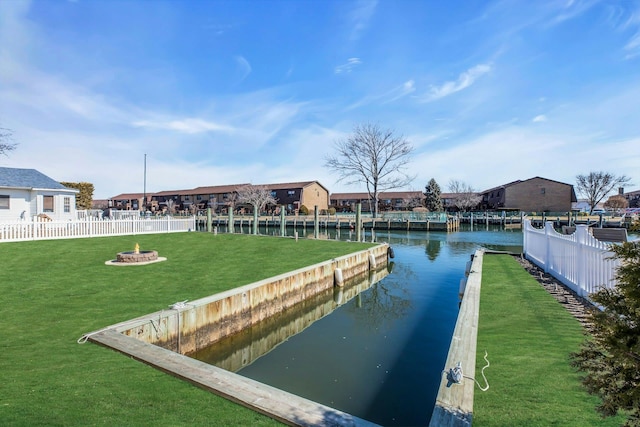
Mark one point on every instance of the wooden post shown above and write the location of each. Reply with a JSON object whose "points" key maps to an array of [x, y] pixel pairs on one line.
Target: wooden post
{"points": [[358, 222], [316, 224], [231, 226], [254, 229], [282, 221], [208, 220]]}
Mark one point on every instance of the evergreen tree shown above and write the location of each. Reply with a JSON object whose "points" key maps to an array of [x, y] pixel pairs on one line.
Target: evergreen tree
{"points": [[84, 199], [610, 356], [433, 199]]}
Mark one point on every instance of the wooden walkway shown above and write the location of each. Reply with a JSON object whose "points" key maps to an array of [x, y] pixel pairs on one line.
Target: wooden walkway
{"points": [[454, 403]]}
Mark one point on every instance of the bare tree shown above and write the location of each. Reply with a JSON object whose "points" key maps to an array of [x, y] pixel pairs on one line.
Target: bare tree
{"points": [[5, 141], [411, 202], [597, 185], [258, 197], [171, 206], [465, 197], [616, 202], [374, 156]]}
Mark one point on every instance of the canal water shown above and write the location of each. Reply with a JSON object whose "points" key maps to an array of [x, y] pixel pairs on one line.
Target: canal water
{"points": [[380, 355]]}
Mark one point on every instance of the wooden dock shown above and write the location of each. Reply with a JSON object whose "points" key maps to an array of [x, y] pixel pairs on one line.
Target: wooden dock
{"points": [[451, 224], [454, 403]]}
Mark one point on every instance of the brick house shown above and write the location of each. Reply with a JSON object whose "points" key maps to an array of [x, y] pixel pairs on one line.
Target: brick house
{"points": [[633, 197], [532, 195]]}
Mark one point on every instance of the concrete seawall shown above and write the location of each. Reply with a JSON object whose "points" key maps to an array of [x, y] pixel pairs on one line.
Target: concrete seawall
{"points": [[196, 324], [186, 328]]}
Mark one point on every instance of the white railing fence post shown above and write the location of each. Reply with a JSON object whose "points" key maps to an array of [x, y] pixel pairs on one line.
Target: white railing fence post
{"points": [[582, 232]]}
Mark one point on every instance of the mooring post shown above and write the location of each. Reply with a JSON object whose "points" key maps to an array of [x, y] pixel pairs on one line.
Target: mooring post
{"points": [[208, 220], [316, 224], [358, 221], [231, 226], [283, 223], [254, 228]]}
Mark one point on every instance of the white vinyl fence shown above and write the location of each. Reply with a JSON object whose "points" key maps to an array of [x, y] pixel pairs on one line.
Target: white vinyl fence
{"points": [[578, 260], [41, 229]]}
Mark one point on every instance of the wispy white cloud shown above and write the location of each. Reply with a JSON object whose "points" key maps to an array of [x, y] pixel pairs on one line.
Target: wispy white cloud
{"points": [[392, 95], [189, 126], [463, 81], [632, 48], [405, 89], [539, 118], [573, 9], [360, 17], [348, 66]]}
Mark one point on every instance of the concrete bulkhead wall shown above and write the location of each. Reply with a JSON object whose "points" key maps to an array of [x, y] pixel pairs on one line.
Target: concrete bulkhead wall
{"points": [[187, 327]]}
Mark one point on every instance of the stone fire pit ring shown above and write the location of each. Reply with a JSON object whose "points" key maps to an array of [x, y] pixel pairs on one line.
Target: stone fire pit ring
{"points": [[136, 258]]}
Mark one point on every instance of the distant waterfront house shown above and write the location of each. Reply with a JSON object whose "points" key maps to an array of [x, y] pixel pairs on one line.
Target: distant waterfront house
{"points": [[532, 195], [388, 200], [296, 194], [127, 201], [25, 193], [633, 197]]}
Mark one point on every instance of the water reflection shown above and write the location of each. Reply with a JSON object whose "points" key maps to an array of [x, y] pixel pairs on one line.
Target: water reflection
{"points": [[380, 354], [239, 350]]}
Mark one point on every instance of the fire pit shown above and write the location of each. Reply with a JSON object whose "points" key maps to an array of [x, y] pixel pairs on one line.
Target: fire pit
{"points": [[135, 257]]}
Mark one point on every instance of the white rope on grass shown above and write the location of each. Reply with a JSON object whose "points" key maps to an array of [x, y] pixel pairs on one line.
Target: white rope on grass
{"points": [[482, 373], [455, 374]]}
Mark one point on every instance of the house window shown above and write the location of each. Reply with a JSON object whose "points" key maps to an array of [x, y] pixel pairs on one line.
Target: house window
{"points": [[67, 204], [4, 202], [273, 193], [542, 190], [47, 203], [291, 192]]}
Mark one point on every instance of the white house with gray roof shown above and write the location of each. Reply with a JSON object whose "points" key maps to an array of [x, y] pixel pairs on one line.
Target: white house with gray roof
{"points": [[25, 193]]}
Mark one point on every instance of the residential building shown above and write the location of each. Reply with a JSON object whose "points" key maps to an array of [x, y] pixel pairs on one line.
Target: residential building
{"points": [[633, 197], [222, 197], [532, 195], [25, 193]]}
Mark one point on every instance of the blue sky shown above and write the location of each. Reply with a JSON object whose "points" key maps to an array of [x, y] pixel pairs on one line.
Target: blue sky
{"points": [[224, 92]]}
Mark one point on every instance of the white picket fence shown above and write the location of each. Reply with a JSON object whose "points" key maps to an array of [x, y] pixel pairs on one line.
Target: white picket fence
{"points": [[578, 260], [43, 229]]}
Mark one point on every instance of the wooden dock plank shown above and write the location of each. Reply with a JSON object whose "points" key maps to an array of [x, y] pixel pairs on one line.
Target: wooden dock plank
{"points": [[278, 404], [454, 403]]}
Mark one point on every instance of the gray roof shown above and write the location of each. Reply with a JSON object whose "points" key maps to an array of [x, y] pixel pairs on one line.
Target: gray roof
{"points": [[27, 178]]}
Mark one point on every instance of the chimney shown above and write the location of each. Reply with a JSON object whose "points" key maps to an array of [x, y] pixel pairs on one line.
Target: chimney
{"points": [[620, 191]]}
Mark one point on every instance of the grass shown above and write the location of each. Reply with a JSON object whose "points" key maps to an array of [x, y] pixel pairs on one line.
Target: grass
{"points": [[55, 291], [528, 336]]}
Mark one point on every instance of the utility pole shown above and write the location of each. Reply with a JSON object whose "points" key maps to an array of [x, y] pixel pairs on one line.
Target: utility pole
{"points": [[144, 190]]}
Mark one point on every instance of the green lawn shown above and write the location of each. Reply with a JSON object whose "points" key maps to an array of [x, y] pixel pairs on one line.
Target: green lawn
{"points": [[528, 336], [52, 292]]}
